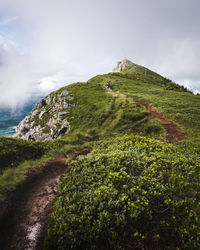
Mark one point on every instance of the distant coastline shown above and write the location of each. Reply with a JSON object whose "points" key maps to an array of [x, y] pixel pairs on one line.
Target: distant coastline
{"points": [[9, 120]]}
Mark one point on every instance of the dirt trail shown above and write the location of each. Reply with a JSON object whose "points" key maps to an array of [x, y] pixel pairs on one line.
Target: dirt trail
{"points": [[25, 225], [174, 133]]}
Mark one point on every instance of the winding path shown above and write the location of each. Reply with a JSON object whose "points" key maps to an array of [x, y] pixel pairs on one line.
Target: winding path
{"points": [[174, 134], [26, 223], [25, 226]]}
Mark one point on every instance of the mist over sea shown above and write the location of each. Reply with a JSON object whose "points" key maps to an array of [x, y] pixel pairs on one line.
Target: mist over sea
{"points": [[9, 119]]}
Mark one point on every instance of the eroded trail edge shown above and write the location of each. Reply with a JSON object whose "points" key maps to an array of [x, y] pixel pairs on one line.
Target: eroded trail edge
{"points": [[25, 225], [174, 134]]}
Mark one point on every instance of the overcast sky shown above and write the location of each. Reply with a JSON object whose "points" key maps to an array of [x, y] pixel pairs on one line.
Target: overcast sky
{"points": [[45, 44]]}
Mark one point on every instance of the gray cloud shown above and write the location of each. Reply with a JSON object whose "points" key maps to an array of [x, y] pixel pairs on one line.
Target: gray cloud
{"points": [[52, 43]]}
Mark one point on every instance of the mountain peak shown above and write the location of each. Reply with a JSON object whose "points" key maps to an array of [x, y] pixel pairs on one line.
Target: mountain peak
{"points": [[121, 65]]}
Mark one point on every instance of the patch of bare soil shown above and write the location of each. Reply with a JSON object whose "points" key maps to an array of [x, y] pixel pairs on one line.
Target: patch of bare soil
{"points": [[174, 134], [25, 223]]}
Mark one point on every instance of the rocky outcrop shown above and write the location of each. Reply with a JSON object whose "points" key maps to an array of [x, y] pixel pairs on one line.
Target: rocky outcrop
{"points": [[121, 65], [48, 119]]}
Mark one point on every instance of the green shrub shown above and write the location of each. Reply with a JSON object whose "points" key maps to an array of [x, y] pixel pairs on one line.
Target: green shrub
{"points": [[128, 193], [176, 87], [13, 151], [153, 128]]}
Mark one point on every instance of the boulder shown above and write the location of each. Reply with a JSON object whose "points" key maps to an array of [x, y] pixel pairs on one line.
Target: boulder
{"points": [[64, 93], [33, 127], [121, 65], [42, 113]]}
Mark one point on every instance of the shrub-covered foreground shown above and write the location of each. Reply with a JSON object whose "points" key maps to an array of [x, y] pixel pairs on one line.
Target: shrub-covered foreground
{"points": [[13, 151], [128, 193]]}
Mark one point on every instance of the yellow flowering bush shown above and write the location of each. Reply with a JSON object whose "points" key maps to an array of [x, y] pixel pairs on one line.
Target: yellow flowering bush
{"points": [[130, 192]]}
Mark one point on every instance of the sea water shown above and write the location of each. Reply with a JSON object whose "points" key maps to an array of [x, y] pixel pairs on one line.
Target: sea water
{"points": [[9, 119]]}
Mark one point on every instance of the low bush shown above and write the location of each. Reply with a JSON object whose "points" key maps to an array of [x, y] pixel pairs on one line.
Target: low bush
{"points": [[176, 87], [13, 151], [128, 193], [153, 128]]}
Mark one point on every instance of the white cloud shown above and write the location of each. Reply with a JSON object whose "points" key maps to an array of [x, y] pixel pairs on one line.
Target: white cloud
{"points": [[52, 82], [6, 45], [48, 43], [8, 20], [197, 92]]}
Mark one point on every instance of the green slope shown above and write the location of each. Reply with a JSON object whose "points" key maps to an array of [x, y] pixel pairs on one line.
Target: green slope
{"points": [[130, 192], [14, 151], [180, 106], [103, 110], [106, 105]]}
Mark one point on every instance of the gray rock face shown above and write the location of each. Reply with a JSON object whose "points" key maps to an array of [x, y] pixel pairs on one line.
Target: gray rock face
{"points": [[42, 113], [42, 103], [108, 88], [47, 121], [122, 65], [64, 93]]}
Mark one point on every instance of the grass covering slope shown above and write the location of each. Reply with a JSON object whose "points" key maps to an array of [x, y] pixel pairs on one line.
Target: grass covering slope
{"points": [[14, 151], [128, 193], [180, 106], [132, 192], [96, 112], [105, 105], [16, 158]]}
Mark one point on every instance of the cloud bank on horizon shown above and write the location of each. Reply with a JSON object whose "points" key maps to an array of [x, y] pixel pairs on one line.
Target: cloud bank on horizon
{"points": [[47, 44]]}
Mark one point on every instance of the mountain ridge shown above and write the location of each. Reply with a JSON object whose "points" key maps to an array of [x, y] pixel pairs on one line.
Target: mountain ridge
{"points": [[132, 186], [50, 118]]}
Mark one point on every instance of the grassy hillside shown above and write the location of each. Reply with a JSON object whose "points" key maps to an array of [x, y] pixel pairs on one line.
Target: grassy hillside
{"points": [[180, 106], [107, 105], [13, 166], [96, 112], [14, 151], [129, 191]]}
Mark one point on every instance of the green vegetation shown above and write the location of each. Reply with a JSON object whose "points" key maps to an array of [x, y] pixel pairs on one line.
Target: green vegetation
{"points": [[128, 193], [181, 107], [92, 107], [11, 178], [154, 129], [18, 157], [95, 111], [176, 87], [138, 193], [13, 151]]}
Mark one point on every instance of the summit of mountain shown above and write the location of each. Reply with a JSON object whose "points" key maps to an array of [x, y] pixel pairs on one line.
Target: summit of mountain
{"points": [[107, 105]]}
